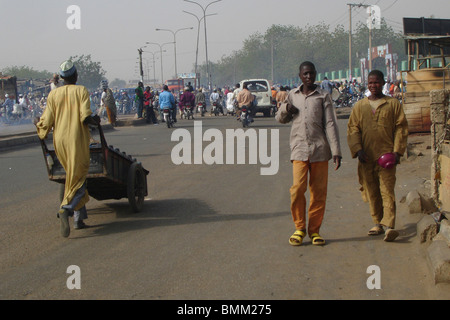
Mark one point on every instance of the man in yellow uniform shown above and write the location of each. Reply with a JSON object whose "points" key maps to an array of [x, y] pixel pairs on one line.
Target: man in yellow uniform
{"points": [[68, 113], [378, 126]]}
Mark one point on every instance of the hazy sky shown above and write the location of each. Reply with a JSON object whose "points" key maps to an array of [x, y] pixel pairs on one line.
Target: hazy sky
{"points": [[35, 33]]}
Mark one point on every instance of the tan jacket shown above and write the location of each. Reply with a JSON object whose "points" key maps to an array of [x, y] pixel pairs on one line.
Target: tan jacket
{"points": [[314, 133], [383, 132], [280, 97], [245, 98]]}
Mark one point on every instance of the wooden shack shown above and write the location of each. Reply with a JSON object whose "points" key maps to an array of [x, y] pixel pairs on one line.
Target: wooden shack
{"points": [[8, 85], [428, 69]]}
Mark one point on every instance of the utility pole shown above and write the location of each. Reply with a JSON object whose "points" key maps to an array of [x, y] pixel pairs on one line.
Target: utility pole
{"points": [[271, 53], [140, 64], [351, 5]]}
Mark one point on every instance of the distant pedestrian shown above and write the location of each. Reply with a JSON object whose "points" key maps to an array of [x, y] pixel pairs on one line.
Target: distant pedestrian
{"points": [[148, 105], [108, 102], [377, 127], [327, 85], [139, 99], [55, 83], [314, 141]]}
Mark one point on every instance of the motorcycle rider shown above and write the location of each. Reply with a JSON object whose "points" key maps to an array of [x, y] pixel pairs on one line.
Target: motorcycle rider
{"points": [[125, 102], [187, 99], [23, 104], [245, 98], [8, 105], [167, 100], [230, 102], [200, 98], [215, 98]]}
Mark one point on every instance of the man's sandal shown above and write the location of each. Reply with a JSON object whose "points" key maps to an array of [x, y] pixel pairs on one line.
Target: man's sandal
{"points": [[297, 238], [317, 239], [375, 231]]}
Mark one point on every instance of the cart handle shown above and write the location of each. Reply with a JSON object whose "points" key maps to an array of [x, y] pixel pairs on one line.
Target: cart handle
{"points": [[102, 136]]}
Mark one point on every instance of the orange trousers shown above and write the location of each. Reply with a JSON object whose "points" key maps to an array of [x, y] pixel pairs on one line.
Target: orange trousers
{"points": [[318, 183]]}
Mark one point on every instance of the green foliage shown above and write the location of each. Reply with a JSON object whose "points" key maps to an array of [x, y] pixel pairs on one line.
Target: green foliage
{"points": [[90, 73], [118, 83], [326, 48], [25, 72]]}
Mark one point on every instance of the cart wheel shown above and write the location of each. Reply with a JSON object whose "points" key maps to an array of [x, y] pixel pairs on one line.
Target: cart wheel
{"points": [[136, 186]]}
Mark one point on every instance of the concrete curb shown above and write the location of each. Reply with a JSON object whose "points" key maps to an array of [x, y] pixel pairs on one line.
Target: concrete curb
{"points": [[436, 237], [22, 139]]}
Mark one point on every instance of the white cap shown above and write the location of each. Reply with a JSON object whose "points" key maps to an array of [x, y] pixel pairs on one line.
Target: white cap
{"points": [[67, 69]]}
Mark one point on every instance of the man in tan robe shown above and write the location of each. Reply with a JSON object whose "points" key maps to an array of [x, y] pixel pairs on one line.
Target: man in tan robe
{"points": [[68, 113], [377, 126]]}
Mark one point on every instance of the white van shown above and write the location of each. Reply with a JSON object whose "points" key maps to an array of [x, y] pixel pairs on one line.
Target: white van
{"points": [[261, 89]]}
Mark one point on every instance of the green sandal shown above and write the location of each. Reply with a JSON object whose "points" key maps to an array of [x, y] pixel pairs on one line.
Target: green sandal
{"points": [[317, 239], [297, 238]]}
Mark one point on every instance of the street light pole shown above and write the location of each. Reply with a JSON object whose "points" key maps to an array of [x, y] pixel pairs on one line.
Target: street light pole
{"points": [[154, 68], [206, 37], [161, 52], [199, 20], [175, 44]]}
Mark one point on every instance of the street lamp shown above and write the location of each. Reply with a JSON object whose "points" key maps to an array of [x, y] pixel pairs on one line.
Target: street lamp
{"points": [[206, 38], [198, 37], [161, 51], [154, 68], [175, 43]]}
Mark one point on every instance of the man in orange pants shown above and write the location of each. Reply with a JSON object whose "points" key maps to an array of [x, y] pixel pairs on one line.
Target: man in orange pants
{"points": [[314, 141]]}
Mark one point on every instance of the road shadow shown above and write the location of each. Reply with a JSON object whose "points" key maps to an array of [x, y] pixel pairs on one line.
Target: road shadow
{"points": [[406, 234], [162, 213]]}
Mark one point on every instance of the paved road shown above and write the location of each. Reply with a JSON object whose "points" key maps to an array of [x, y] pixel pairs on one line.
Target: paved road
{"points": [[206, 232]]}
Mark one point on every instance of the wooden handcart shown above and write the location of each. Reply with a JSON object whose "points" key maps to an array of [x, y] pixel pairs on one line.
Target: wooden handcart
{"points": [[112, 174]]}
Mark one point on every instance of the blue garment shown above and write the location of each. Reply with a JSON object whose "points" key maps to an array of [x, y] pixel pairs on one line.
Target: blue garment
{"points": [[327, 85], [166, 100], [9, 104]]}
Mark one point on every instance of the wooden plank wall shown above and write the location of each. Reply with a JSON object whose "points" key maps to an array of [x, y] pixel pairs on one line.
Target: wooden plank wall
{"points": [[417, 98]]}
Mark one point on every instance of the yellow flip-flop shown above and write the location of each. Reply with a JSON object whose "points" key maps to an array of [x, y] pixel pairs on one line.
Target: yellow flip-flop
{"points": [[297, 238], [317, 239]]}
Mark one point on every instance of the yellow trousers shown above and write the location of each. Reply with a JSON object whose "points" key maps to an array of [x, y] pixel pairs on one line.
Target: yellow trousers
{"points": [[378, 186], [318, 182]]}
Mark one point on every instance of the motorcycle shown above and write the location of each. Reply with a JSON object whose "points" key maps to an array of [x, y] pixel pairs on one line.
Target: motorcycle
{"points": [[125, 107], [215, 109], [167, 113], [3, 114], [17, 112], [273, 108], [201, 109], [187, 113], [245, 117]]}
